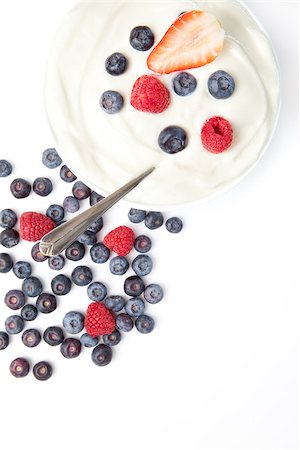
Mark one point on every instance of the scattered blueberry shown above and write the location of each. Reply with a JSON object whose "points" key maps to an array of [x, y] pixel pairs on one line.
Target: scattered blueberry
{"points": [[184, 84], [96, 225], [112, 339], [144, 324], [95, 198], [142, 244], [142, 265], [174, 225], [172, 139], [56, 262], [221, 85], [124, 322], [5, 168], [53, 336], [29, 312], [42, 186], [8, 218], [136, 215], [22, 269], [9, 238], [71, 204], [42, 370], [31, 337], [70, 348], [134, 286], [14, 299], [135, 307], [75, 251], [97, 291], [6, 263], [153, 293], [36, 254], [20, 188], [80, 190], [116, 64], [153, 220], [111, 102], [32, 287], [14, 324], [61, 285], [56, 213], [99, 253], [82, 275], [118, 265], [51, 158], [19, 367], [66, 174], [89, 341], [88, 237], [46, 303], [73, 322], [4, 340], [141, 38], [102, 355], [114, 302]]}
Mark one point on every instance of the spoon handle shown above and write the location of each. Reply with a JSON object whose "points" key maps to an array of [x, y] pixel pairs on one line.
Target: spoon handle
{"points": [[57, 240]]}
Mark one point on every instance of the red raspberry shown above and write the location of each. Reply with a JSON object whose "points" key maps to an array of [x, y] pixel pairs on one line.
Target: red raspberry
{"points": [[99, 320], [150, 95], [216, 135], [120, 240], [33, 226]]}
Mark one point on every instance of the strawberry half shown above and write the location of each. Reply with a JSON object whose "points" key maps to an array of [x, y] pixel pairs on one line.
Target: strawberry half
{"points": [[195, 39]]}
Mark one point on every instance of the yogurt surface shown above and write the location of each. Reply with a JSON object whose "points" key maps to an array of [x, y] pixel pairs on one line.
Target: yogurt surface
{"points": [[106, 151]]}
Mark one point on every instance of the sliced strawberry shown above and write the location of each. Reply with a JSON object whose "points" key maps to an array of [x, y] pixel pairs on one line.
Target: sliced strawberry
{"points": [[195, 39]]}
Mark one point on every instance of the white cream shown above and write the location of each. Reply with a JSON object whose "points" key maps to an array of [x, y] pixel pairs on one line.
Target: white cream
{"points": [[108, 150]]}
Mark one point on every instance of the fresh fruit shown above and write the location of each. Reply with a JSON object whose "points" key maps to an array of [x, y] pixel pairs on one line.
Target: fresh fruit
{"points": [[88, 237], [42, 186], [154, 220], [118, 265], [61, 285], [31, 337], [51, 158], [32, 287], [5, 168], [66, 174], [97, 225], [53, 336], [81, 275], [9, 238], [95, 198], [124, 322], [8, 218], [172, 139], [6, 263], [14, 324], [42, 370], [195, 39], [73, 322], [142, 265], [19, 367], [20, 188], [14, 299], [153, 293], [99, 320], [113, 338], [22, 269], [4, 340], [116, 64], [75, 251], [134, 286], [89, 341], [36, 254], [136, 215], [120, 240], [29, 312], [142, 244], [135, 307], [216, 135], [150, 95], [33, 226], [221, 84], [97, 291], [114, 302], [141, 38], [71, 204], [102, 355], [111, 102], [46, 303], [174, 225], [70, 348], [144, 324], [80, 190], [56, 213], [56, 262], [184, 84], [99, 253]]}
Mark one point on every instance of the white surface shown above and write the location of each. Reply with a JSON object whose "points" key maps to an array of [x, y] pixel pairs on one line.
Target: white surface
{"points": [[220, 370]]}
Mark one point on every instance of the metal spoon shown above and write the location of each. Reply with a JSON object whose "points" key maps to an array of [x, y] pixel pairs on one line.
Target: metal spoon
{"points": [[60, 238]]}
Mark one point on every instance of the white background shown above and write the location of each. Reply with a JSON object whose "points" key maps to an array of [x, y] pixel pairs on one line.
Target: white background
{"points": [[220, 369]]}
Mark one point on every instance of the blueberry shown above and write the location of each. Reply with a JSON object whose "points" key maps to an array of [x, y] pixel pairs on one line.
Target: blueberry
{"points": [[153, 293], [36, 254], [19, 367], [142, 244], [82, 275], [14, 324], [4, 340], [96, 225], [111, 102], [46, 303], [8, 218], [136, 215], [80, 190], [53, 336], [6, 263], [9, 238], [135, 307], [116, 64], [89, 341], [142, 265], [67, 175], [56, 213], [70, 348], [134, 286], [71, 204], [29, 312], [75, 251], [97, 291], [5, 168], [221, 84], [56, 262], [99, 253], [114, 302], [42, 370], [154, 220], [42, 186], [95, 198], [118, 265], [172, 139], [144, 324], [61, 285], [22, 269], [51, 158], [112, 339], [32, 287], [124, 322], [20, 188], [31, 337], [88, 237], [174, 225], [14, 299], [141, 38], [73, 322], [102, 355], [184, 84]]}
